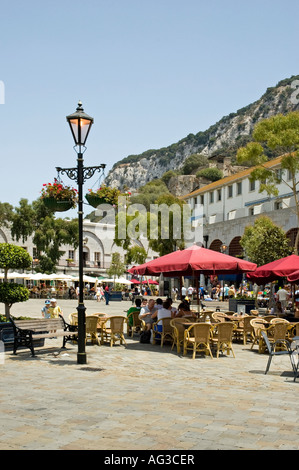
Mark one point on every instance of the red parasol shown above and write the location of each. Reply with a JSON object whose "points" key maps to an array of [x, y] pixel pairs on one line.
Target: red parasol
{"points": [[294, 276], [284, 267], [150, 281], [191, 260], [134, 281]]}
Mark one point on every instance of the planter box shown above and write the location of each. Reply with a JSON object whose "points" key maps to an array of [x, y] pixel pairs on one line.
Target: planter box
{"points": [[238, 305], [7, 336], [115, 296]]}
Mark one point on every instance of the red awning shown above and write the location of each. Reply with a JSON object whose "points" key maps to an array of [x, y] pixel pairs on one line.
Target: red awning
{"points": [[192, 260], [283, 267]]}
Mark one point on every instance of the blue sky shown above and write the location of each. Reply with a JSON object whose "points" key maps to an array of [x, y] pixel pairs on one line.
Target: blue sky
{"points": [[149, 72]]}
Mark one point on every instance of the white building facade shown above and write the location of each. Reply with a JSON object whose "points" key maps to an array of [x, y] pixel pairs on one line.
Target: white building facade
{"points": [[98, 246], [221, 210]]}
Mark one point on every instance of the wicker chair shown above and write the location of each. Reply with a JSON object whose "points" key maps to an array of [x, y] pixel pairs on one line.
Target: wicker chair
{"points": [[218, 317], [269, 317], [165, 333], [91, 329], [224, 336], [278, 334], [244, 329], [102, 318], [293, 330], [116, 329], [278, 320], [197, 338], [254, 313], [136, 322], [258, 324], [73, 318], [178, 332]]}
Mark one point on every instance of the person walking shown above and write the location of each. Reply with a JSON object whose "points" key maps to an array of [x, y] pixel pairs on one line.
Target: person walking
{"points": [[107, 294]]}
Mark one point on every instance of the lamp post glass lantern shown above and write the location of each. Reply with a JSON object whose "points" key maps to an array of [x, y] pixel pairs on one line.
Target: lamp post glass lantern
{"points": [[80, 124]]}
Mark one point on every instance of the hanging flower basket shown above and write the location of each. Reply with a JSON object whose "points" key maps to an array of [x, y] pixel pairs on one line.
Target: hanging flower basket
{"points": [[59, 198], [95, 201], [103, 195], [56, 205]]}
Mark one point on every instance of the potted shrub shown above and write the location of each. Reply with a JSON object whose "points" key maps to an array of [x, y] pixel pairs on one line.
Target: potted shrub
{"points": [[104, 195], [58, 197]]}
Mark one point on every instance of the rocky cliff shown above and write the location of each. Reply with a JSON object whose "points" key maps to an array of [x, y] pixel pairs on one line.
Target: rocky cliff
{"points": [[221, 139]]}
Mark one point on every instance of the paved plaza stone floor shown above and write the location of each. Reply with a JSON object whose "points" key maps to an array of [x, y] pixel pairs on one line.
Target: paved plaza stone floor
{"points": [[143, 397]]}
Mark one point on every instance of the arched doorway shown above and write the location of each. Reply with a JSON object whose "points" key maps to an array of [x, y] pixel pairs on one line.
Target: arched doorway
{"points": [[235, 249], [291, 235], [216, 245]]}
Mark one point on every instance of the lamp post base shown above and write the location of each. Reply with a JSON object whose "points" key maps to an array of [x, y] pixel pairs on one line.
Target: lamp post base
{"points": [[81, 356]]}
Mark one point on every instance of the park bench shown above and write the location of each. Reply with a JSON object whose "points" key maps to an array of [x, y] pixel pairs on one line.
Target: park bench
{"points": [[28, 331]]}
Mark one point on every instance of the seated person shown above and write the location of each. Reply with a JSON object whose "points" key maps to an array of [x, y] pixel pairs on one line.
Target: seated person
{"points": [[277, 310], [164, 312], [184, 310], [146, 313], [137, 308], [159, 303], [173, 309]]}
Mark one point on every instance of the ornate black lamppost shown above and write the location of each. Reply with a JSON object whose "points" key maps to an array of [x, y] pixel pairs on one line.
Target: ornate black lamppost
{"points": [[80, 124]]}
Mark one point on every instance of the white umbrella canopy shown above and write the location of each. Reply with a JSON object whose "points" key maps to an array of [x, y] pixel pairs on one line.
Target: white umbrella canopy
{"points": [[38, 277], [85, 279], [16, 275], [120, 280], [123, 280]]}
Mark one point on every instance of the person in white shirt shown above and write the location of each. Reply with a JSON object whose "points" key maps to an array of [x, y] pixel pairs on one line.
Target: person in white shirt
{"points": [[282, 295], [147, 312], [164, 312], [190, 291]]}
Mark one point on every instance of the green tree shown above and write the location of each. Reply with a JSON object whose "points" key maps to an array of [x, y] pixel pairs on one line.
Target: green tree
{"points": [[193, 162], [117, 267], [6, 213], [280, 133], [264, 241], [212, 174], [169, 231], [13, 257], [48, 233], [135, 255], [149, 193]]}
